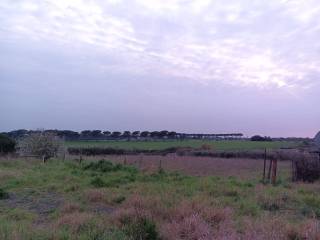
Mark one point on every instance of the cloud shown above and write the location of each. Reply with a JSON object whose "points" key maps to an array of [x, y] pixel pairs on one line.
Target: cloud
{"points": [[266, 44]]}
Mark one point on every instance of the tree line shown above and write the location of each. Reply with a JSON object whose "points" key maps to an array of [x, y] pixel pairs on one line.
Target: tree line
{"points": [[117, 135]]}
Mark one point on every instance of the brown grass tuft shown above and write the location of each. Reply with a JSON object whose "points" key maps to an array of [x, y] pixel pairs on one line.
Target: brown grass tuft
{"points": [[95, 195], [75, 221]]}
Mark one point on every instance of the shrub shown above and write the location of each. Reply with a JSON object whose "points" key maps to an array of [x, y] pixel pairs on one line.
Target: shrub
{"points": [[7, 145], [141, 229], [107, 166], [119, 199], [98, 182], [42, 144], [3, 194], [306, 168]]}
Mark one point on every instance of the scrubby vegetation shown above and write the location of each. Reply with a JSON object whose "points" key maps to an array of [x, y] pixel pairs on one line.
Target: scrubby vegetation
{"points": [[104, 200], [7, 145]]}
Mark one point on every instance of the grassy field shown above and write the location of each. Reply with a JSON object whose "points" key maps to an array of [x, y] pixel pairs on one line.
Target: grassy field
{"points": [[160, 145], [100, 200]]}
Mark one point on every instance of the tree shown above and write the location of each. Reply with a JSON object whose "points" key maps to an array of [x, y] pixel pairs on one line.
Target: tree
{"points": [[145, 134], [136, 133], [6, 144], [258, 138], [42, 144], [96, 133], [163, 134], [126, 134], [172, 135], [86, 133], [116, 134], [107, 133], [154, 134]]}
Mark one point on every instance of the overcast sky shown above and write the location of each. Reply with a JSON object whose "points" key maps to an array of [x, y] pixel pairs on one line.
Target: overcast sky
{"points": [[249, 66]]}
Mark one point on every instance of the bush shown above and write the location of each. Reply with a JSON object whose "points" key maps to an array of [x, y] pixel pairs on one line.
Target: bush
{"points": [[306, 168], [3, 194], [98, 182], [107, 166], [7, 145], [42, 144], [142, 229]]}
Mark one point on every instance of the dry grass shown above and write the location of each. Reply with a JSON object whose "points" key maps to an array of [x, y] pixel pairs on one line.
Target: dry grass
{"points": [[95, 195], [75, 221]]}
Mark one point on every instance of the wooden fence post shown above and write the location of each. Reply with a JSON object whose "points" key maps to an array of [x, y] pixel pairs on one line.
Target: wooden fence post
{"points": [[293, 170], [274, 171], [269, 170], [264, 165]]}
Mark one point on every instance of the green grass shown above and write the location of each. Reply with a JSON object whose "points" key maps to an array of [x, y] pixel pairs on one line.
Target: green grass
{"points": [[160, 145], [162, 195]]}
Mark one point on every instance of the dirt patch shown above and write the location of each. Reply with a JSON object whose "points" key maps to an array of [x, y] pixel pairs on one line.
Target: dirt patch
{"points": [[41, 204]]}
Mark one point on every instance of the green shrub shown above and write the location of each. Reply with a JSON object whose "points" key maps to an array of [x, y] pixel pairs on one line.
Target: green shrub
{"points": [[107, 166], [7, 145], [142, 229], [3, 194], [119, 199], [98, 182]]}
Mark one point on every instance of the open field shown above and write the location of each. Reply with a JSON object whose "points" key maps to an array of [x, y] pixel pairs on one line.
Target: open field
{"points": [[161, 145], [246, 169], [210, 199]]}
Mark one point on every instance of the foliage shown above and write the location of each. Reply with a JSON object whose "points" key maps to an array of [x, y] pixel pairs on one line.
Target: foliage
{"points": [[6, 144], [42, 144], [258, 138], [3, 194], [155, 205]]}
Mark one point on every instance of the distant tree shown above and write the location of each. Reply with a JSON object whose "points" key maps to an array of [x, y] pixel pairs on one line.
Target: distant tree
{"points": [[163, 134], [107, 133], [42, 144], [17, 133], [67, 134], [6, 144], [154, 134], [145, 134], [259, 138], [86, 133], [135, 133], [126, 134], [116, 134], [96, 133], [172, 134]]}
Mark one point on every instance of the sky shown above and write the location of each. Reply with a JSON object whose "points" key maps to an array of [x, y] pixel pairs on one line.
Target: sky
{"points": [[196, 66]]}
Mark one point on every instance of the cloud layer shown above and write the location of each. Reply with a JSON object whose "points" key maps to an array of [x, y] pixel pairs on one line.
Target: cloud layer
{"points": [[261, 43]]}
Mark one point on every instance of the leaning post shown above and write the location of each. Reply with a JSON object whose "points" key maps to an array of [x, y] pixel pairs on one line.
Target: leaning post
{"points": [[264, 165]]}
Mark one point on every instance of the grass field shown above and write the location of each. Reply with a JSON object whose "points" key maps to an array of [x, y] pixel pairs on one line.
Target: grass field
{"points": [[160, 145], [63, 200]]}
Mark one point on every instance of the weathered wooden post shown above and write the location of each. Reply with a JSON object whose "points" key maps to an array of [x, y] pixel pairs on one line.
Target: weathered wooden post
{"points": [[274, 171], [269, 170], [293, 170], [264, 165]]}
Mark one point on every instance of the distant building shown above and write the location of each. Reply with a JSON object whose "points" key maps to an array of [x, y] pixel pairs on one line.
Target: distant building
{"points": [[317, 139]]}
